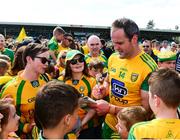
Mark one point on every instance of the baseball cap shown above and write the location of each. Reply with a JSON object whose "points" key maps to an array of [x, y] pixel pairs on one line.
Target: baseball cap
{"points": [[166, 56], [173, 44], [71, 54]]}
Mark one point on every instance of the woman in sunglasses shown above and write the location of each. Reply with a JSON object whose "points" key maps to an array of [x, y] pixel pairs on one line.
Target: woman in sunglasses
{"points": [[23, 88], [76, 75]]}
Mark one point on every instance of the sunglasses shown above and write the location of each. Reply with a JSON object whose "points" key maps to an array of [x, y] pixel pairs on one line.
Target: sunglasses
{"points": [[95, 44], [43, 59], [74, 61], [63, 56], [146, 46]]}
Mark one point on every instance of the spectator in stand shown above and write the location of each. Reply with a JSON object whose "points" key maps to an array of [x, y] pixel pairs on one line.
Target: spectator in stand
{"points": [[164, 99], [167, 59], [4, 50]]}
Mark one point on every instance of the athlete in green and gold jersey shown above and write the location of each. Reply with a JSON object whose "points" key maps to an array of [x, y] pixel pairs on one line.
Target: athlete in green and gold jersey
{"points": [[129, 69], [127, 81]]}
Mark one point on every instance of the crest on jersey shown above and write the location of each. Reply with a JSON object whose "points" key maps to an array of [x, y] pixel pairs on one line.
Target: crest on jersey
{"points": [[134, 77], [35, 83], [81, 89]]}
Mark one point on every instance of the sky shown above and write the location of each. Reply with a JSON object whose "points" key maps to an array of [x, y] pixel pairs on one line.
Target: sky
{"points": [[164, 13]]}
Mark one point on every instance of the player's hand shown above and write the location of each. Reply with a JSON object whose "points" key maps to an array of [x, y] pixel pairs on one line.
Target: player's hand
{"points": [[102, 107]]}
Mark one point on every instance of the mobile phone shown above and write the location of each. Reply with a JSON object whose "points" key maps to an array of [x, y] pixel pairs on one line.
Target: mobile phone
{"points": [[88, 100]]}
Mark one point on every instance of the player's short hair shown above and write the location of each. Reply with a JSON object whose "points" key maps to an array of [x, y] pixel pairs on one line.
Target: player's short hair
{"points": [[129, 26]]}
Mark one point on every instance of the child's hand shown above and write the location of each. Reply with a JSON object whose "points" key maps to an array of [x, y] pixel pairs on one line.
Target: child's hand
{"points": [[99, 92]]}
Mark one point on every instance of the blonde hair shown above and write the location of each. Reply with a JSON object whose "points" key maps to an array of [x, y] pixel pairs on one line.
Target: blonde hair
{"points": [[132, 115]]}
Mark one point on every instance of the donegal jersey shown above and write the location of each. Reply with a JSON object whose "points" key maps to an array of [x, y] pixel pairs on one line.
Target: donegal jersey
{"points": [[4, 80], [85, 49], [102, 58], [61, 48], [24, 93], [127, 77], [53, 44], [156, 129], [84, 86]]}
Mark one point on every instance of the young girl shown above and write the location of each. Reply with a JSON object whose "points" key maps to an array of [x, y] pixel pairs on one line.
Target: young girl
{"points": [[9, 122], [60, 62], [76, 75]]}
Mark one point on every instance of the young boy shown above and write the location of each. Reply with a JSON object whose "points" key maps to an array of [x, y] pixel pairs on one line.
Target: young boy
{"points": [[56, 109], [127, 117], [164, 99]]}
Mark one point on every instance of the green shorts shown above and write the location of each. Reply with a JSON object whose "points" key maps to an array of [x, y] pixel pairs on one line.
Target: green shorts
{"points": [[108, 133]]}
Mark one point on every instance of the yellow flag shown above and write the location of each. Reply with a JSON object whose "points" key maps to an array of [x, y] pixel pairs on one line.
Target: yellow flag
{"points": [[22, 35]]}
